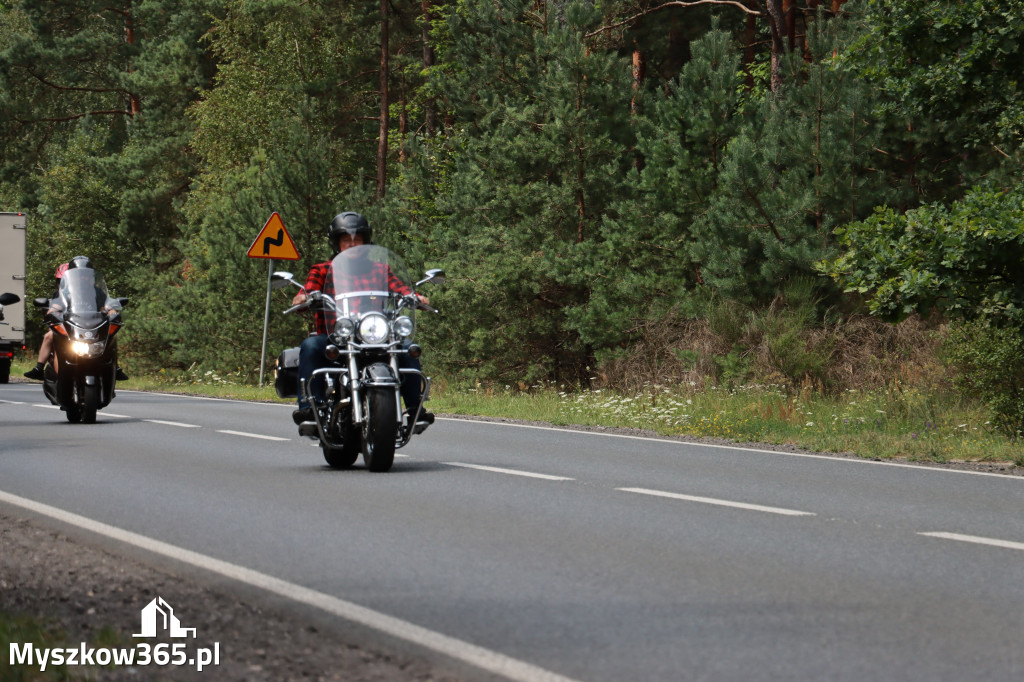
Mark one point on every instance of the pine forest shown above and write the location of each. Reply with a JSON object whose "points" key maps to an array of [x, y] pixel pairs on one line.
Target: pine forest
{"points": [[810, 193]]}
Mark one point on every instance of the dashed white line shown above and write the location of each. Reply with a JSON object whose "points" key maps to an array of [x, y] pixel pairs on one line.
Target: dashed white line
{"points": [[49, 407], [166, 423], [717, 502], [11, 402], [251, 435], [992, 542], [116, 416], [513, 472]]}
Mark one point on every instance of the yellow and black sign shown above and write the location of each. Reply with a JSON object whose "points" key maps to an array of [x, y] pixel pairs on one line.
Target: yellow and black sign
{"points": [[274, 242]]}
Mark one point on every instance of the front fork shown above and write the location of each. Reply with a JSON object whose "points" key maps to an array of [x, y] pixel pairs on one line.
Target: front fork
{"points": [[366, 379]]}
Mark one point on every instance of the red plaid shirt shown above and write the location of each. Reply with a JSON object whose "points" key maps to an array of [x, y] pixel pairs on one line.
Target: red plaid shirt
{"points": [[317, 281]]}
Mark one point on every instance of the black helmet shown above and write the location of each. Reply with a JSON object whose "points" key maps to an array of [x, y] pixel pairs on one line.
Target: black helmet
{"points": [[349, 223], [80, 262]]}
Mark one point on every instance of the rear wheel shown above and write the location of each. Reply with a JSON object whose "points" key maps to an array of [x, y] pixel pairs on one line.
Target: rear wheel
{"points": [[380, 429], [345, 456]]}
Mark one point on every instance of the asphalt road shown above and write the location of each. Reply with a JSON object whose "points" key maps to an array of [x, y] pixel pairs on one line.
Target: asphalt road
{"points": [[592, 556]]}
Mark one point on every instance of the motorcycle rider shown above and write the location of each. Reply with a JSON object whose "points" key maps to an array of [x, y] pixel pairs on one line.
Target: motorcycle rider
{"points": [[348, 229], [46, 346]]}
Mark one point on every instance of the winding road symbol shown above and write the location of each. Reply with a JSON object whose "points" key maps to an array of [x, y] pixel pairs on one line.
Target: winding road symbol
{"points": [[268, 242]]}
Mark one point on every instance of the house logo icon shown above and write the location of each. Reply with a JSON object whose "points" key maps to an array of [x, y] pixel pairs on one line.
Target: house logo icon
{"points": [[159, 614]]}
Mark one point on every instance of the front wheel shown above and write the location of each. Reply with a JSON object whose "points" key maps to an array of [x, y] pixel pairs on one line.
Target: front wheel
{"points": [[380, 429], [90, 403]]}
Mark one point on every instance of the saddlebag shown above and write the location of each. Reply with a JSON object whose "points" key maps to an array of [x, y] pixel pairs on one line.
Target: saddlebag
{"points": [[286, 373]]}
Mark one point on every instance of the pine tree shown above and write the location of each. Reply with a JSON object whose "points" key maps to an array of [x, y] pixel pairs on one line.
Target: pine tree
{"points": [[797, 170], [541, 137]]}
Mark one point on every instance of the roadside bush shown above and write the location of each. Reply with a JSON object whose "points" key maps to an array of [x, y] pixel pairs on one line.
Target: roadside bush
{"points": [[990, 364], [782, 343]]}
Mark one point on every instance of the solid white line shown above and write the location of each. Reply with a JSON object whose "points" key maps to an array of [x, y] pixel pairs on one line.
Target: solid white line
{"points": [[250, 435], [734, 448], [49, 407], [485, 659], [118, 416], [11, 402], [977, 540], [513, 472], [184, 426], [720, 503]]}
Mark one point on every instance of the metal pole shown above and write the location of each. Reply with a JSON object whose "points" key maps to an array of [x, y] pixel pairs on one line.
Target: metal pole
{"points": [[266, 323]]}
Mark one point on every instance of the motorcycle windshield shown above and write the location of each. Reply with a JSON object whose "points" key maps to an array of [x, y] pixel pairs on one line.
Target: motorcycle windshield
{"points": [[83, 296], [365, 279]]}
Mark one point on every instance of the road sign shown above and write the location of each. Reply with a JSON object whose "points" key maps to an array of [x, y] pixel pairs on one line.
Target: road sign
{"points": [[274, 242]]}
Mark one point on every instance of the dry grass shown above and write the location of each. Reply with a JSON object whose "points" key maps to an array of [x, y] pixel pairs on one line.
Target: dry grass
{"points": [[858, 352]]}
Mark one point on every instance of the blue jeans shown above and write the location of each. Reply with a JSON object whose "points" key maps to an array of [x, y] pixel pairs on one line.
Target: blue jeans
{"points": [[312, 358]]}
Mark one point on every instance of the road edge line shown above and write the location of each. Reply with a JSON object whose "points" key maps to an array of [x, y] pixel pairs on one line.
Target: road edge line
{"points": [[485, 659]]}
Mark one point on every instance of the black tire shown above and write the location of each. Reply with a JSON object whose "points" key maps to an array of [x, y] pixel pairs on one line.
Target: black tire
{"points": [[380, 429], [73, 412], [90, 403], [341, 458]]}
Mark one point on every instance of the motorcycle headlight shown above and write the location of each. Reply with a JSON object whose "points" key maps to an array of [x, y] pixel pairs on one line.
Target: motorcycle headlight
{"points": [[373, 328], [403, 326], [80, 348], [344, 328]]}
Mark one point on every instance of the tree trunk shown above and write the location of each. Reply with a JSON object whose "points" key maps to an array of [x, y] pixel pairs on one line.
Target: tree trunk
{"points": [[134, 105], [789, 17], [429, 115], [385, 104], [639, 72], [777, 24]]}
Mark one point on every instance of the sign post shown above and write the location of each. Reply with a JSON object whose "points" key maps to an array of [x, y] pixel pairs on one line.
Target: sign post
{"points": [[272, 242]]}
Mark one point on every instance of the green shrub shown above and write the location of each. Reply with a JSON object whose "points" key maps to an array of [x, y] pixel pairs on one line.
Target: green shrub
{"points": [[990, 361]]}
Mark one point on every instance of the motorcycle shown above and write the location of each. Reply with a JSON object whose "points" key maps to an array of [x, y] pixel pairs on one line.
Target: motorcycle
{"points": [[368, 302], [81, 373], [6, 348]]}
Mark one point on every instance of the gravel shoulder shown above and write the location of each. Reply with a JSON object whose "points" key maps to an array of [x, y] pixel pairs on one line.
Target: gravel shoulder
{"points": [[86, 590]]}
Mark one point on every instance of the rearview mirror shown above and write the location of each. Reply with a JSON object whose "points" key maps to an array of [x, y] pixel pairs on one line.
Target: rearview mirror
{"points": [[435, 276], [8, 299], [41, 303], [281, 279]]}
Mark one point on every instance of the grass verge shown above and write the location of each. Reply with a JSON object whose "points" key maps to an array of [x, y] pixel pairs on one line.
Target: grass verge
{"points": [[896, 422]]}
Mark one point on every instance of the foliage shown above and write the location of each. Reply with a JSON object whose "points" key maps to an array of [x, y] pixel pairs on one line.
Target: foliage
{"points": [[533, 168], [991, 367], [963, 259], [949, 82], [579, 207], [799, 168]]}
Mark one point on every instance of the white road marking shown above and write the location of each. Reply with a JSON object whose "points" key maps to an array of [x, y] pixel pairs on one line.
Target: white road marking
{"points": [[49, 407], [734, 448], [117, 416], [250, 435], [11, 402], [720, 503], [485, 659], [165, 423], [513, 472], [1008, 544]]}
